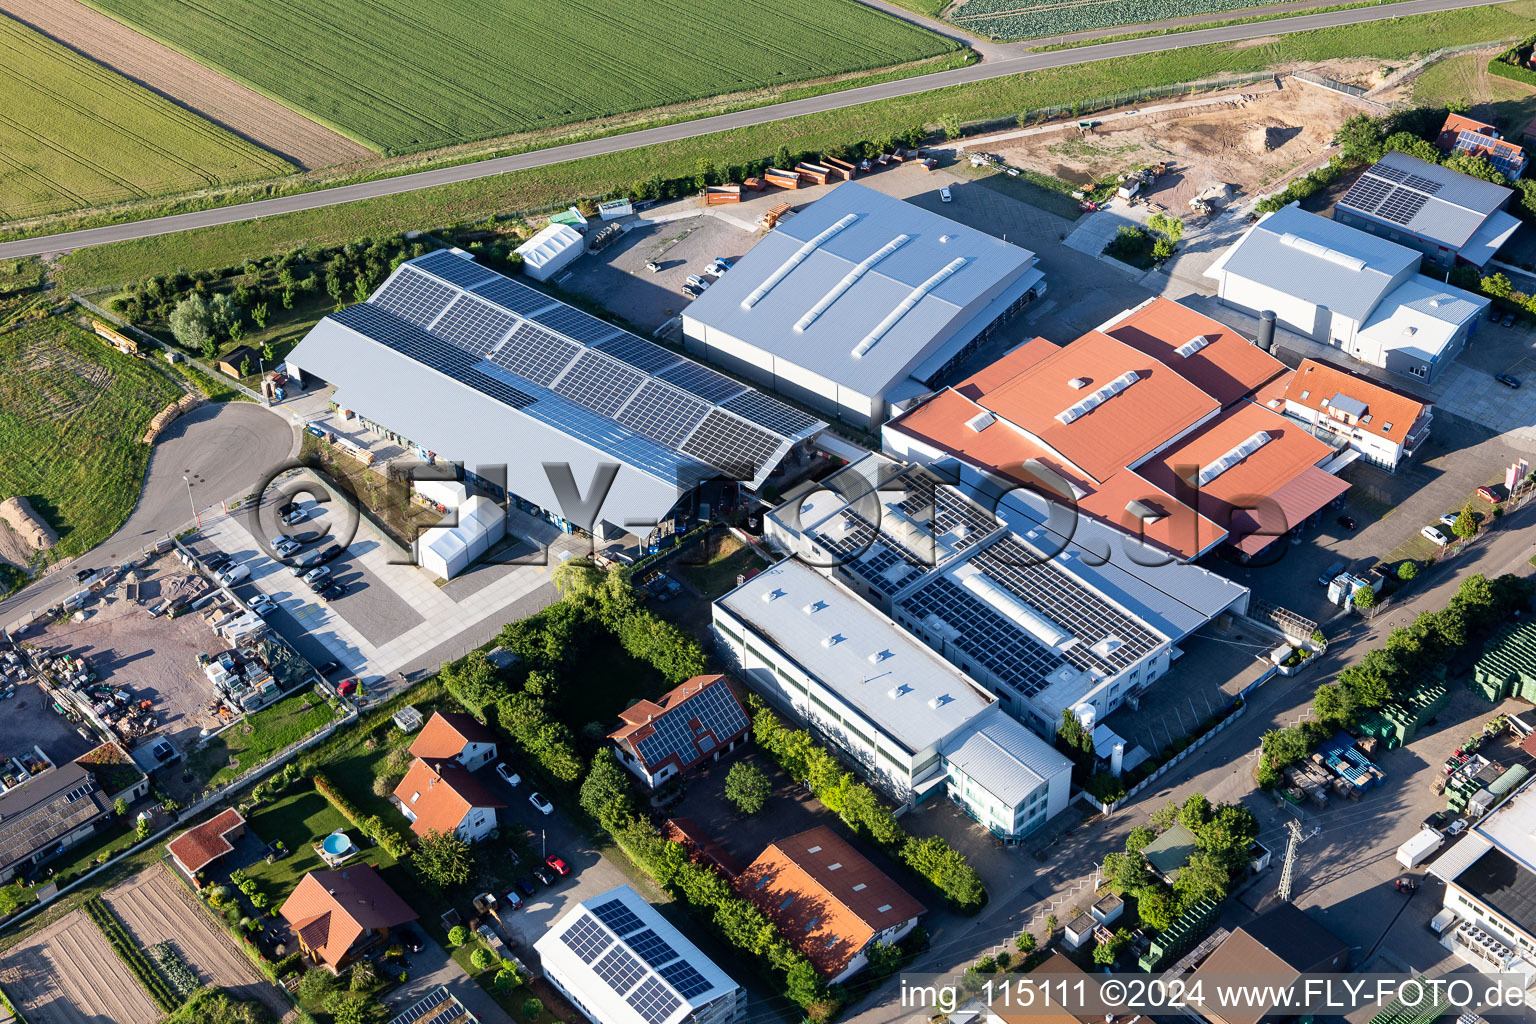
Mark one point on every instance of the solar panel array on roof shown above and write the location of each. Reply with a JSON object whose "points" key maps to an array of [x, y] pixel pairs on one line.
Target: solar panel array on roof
{"points": [[414, 296], [617, 916], [453, 269], [663, 413], [639, 353], [519, 298], [586, 939], [651, 948], [766, 412], [685, 979], [1396, 174], [1367, 193], [619, 969], [599, 383], [429, 1006], [1401, 205], [573, 323], [706, 383], [653, 1002], [714, 708], [984, 635], [536, 354], [473, 325], [733, 445]]}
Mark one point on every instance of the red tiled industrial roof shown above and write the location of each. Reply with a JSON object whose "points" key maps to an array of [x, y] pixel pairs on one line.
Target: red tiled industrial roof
{"points": [[1293, 502], [197, 847], [1392, 413], [827, 899], [330, 909], [440, 793], [1227, 367], [447, 733]]}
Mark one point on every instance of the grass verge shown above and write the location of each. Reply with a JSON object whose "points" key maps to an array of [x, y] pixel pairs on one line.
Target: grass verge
{"points": [[250, 742]]}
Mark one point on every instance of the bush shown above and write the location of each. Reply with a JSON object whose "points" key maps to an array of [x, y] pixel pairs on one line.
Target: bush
{"points": [[316, 984], [1408, 570], [482, 958], [457, 936], [532, 1007]]}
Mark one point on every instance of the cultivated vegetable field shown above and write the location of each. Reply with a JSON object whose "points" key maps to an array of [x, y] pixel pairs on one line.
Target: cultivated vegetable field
{"points": [[1025, 19], [401, 75], [74, 134]]}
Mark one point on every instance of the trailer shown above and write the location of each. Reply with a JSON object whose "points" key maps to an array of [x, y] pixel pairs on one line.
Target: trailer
{"points": [[783, 179], [1420, 848], [716, 195], [814, 173], [847, 169]]}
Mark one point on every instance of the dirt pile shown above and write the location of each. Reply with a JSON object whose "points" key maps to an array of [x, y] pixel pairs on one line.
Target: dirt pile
{"points": [[33, 529]]}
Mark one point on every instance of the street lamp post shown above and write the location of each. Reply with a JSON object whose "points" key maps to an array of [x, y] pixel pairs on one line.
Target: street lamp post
{"points": [[197, 519]]}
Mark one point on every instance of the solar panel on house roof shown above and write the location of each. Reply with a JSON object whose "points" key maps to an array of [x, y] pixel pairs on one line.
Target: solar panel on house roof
{"points": [[770, 413], [473, 325], [715, 710], [414, 296], [1401, 206], [573, 323], [586, 939], [428, 1003], [510, 294], [653, 1002], [639, 353], [535, 354], [685, 979], [651, 948], [453, 269], [619, 969], [663, 413], [601, 384], [617, 916], [707, 384], [731, 444]]}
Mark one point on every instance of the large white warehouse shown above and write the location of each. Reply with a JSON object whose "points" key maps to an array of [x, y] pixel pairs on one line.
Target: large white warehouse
{"points": [[857, 302]]}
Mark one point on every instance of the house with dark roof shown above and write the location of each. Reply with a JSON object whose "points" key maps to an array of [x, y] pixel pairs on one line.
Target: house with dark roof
{"points": [[339, 915], [1004, 1009], [453, 735], [1274, 949], [444, 796], [198, 847], [689, 724], [1448, 216], [828, 900], [48, 814]]}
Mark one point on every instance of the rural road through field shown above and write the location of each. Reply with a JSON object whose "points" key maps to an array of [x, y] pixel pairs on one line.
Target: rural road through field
{"points": [[703, 126]]}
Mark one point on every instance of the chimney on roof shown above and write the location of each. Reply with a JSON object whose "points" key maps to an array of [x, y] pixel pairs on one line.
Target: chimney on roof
{"points": [[650, 718]]}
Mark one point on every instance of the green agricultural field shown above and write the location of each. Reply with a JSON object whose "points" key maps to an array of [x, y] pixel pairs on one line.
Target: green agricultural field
{"points": [[73, 134], [113, 266], [401, 76], [1026, 19], [72, 415]]}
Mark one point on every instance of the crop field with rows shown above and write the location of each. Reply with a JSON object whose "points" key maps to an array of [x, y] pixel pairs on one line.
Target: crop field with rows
{"points": [[74, 134], [1026, 19], [401, 75]]}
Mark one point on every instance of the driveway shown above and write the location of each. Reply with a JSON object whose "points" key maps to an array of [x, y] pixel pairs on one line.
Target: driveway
{"points": [[223, 450], [433, 967]]}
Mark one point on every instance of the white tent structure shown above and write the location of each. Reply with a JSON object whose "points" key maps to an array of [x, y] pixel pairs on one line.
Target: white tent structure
{"points": [[449, 494], [446, 551], [551, 251]]}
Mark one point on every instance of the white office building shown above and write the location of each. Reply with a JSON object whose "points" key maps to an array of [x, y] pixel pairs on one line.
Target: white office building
{"points": [[621, 962]]}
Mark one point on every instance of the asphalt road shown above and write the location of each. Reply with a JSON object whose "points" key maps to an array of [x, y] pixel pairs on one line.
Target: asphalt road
{"points": [[722, 122], [223, 449]]}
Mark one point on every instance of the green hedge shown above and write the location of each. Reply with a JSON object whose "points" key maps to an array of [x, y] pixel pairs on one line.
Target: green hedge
{"points": [[372, 826], [129, 952], [1511, 63]]}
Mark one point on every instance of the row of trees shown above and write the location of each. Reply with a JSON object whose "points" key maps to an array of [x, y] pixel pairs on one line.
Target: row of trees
{"points": [[1224, 835], [804, 760], [606, 796], [1394, 670]]}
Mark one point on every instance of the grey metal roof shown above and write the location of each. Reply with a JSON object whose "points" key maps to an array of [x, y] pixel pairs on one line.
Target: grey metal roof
{"points": [[827, 280], [1322, 261], [1421, 316], [858, 653], [41, 811], [1424, 199], [1005, 758], [1489, 238], [465, 339]]}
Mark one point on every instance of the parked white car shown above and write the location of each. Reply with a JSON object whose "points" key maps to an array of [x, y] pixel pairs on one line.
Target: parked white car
{"points": [[537, 799], [263, 605], [944, 195], [285, 546], [508, 776], [1434, 535], [234, 574]]}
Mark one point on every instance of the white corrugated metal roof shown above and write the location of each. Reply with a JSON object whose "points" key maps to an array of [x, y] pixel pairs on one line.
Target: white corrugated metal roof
{"points": [[550, 244], [1005, 758]]}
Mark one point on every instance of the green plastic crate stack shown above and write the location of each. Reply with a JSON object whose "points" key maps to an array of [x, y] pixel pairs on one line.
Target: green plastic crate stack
{"points": [[1431, 1005], [1459, 791], [1396, 724], [1508, 665], [1181, 936]]}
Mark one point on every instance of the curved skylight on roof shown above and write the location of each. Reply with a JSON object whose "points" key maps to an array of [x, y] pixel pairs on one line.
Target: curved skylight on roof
{"points": [[1004, 601], [913, 298], [798, 257], [1098, 398], [1321, 251], [1192, 346], [1233, 457], [850, 279]]}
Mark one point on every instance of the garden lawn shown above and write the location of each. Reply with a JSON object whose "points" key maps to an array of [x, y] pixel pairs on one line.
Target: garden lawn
{"points": [[270, 730], [402, 76], [1508, 105], [72, 417], [728, 558], [77, 134], [547, 187], [299, 820]]}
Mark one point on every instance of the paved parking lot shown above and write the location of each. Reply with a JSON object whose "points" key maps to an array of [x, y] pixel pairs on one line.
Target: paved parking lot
{"points": [[29, 720], [393, 619]]}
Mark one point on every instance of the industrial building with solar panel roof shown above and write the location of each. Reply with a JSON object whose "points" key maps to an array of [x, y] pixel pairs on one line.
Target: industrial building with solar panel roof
{"points": [[621, 962], [468, 366], [854, 305]]}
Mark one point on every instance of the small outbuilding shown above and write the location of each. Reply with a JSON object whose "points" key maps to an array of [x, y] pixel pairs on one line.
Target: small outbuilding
{"points": [[447, 551], [551, 251]]}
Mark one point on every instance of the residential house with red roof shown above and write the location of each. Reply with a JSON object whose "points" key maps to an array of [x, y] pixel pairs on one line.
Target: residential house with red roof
{"points": [[444, 796], [456, 736], [828, 900], [1469, 135], [198, 847], [689, 724], [1347, 411], [339, 915]]}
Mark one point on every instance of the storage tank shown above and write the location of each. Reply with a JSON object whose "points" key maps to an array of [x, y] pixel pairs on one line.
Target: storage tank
{"points": [[1266, 340]]}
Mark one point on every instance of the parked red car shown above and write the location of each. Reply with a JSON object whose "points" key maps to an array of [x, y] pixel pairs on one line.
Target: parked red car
{"points": [[557, 865]]}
